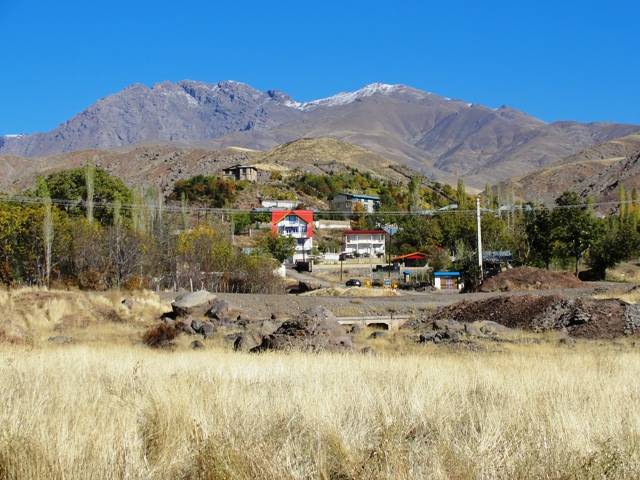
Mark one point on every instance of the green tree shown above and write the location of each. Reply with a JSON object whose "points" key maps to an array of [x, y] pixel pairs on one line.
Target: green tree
{"points": [[277, 246], [461, 195], [539, 232], [71, 185], [216, 192], [574, 227], [615, 241]]}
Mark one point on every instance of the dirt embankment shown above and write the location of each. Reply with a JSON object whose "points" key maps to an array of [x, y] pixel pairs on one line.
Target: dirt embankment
{"points": [[582, 317], [530, 278]]}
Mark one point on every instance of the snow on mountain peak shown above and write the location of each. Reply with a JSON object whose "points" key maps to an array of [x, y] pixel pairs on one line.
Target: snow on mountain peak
{"points": [[344, 98]]}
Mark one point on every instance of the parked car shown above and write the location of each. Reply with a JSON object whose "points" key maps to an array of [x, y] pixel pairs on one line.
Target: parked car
{"points": [[377, 283], [353, 283]]}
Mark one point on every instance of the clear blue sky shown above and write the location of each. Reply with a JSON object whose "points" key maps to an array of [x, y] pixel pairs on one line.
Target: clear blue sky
{"points": [[554, 59]]}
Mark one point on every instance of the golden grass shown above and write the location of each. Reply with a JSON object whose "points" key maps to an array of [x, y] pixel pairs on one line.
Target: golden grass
{"points": [[628, 272], [79, 412], [31, 315]]}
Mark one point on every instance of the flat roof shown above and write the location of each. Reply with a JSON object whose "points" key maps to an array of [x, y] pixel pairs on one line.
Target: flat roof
{"points": [[364, 232], [446, 274], [360, 195]]}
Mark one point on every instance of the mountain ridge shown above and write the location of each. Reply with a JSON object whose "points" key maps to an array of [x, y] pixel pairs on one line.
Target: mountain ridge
{"points": [[440, 137]]}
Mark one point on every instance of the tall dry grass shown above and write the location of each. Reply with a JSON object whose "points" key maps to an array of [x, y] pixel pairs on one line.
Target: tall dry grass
{"points": [[127, 412]]}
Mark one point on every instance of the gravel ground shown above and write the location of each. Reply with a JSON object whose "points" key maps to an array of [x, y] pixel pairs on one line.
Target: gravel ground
{"points": [[262, 306]]}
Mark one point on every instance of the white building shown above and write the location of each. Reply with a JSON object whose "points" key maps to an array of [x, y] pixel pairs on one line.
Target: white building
{"points": [[279, 204], [344, 202], [296, 224], [371, 242]]}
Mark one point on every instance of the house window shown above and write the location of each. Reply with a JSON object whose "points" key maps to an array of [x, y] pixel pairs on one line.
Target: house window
{"points": [[292, 218]]}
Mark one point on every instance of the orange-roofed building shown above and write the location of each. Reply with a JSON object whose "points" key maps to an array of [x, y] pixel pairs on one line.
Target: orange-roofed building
{"points": [[296, 224]]}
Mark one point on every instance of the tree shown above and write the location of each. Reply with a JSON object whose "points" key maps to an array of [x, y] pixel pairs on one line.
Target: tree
{"points": [[615, 241], [417, 233], [574, 227], [414, 193], [461, 195], [241, 222], [539, 231], [75, 186], [358, 217], [216, 192], [89, 182], [277, 246]]}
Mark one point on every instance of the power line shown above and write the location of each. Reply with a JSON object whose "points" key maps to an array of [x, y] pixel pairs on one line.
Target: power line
{"points": [[152, 206]]}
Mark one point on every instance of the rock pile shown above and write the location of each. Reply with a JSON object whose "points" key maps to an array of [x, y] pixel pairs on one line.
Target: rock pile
{"points": [[584, 317], [316, 329]]}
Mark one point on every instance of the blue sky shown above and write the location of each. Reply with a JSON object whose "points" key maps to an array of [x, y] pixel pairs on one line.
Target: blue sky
{"points": [[555, 60]]}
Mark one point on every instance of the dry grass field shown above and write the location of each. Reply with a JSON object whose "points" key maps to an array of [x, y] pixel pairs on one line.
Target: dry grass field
{"points": [[523, 411]]}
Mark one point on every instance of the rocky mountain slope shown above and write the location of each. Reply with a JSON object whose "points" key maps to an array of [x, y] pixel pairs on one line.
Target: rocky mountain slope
{"points": [[594, 172], [162, 165], [438, 136]]}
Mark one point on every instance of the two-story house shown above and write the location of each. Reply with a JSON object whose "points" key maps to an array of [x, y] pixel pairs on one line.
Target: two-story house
{"points": [[297, 224], [361, 242], [344, 202]]}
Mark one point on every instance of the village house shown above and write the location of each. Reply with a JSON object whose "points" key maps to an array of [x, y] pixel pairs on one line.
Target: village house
{"points": [[279, 204], [296, 224], [364, 242], [415, 260], [344, 202], [241, 172]]}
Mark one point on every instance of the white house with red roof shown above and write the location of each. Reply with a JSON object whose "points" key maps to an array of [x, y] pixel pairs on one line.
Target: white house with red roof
{"points": [[359, 242], [296, 224]]}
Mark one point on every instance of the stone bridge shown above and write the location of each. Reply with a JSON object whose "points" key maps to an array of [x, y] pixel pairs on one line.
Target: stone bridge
{"points": [[392, 322]]}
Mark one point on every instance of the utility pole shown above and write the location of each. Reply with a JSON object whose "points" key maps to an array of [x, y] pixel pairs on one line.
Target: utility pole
{"points": [[479, 236]]}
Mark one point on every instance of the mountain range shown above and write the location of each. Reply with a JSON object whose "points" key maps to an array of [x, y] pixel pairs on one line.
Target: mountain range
{"points": [[437, 136], [596, 172]]}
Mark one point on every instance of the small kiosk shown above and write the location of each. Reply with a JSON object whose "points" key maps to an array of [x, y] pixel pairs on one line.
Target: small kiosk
{"points": [[447, 281]]}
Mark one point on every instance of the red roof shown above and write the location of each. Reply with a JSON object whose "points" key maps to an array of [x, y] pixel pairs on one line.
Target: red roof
{"points": [[410, 256], [364, 232], [305, 215]]}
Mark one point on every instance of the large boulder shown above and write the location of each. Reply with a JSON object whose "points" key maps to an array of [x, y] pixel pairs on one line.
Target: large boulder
{"points": [[315, 329], [192, 303], [247, 341], [224, 311]]}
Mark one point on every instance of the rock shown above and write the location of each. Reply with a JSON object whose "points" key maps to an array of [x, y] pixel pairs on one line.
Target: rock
{"points": [[207, 329], [473, 329], [315, 329], [245, 342], [355, 329], [440, 336], [60, 339], [492, 328], [128, 302], [196, 345], [267, 327], [185, 327], [448, 325], [188, 303], [631, 319], [196, 325], [169, 322], [223, 311], [231, 337]]}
